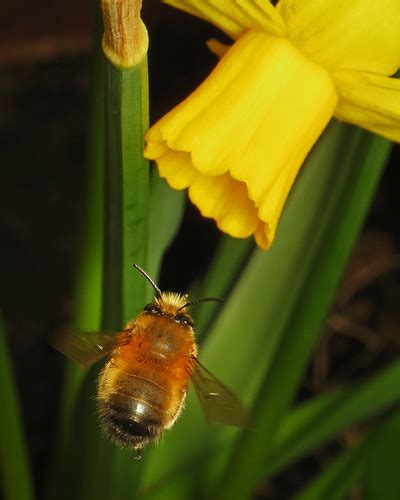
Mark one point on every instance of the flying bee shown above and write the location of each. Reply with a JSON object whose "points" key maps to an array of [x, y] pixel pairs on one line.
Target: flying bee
{"points": [[142, 387]]}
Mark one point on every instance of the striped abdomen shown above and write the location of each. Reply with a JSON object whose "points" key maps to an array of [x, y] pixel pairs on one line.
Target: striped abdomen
{"points": [[143, 385]]}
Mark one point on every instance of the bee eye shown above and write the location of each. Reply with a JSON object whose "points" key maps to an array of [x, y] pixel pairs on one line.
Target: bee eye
{"points": [[152, 308], [184, 319]]}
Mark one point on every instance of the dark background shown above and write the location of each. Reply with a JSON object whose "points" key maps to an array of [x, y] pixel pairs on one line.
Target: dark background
{"points": [[44, 84]]}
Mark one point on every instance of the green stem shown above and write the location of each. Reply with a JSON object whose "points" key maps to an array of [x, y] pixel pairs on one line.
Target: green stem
{"points": [[127, 203], [126, 191]]}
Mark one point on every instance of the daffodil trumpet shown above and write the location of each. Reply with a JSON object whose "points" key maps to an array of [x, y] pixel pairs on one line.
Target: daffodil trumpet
{"points": [[238, 141]]}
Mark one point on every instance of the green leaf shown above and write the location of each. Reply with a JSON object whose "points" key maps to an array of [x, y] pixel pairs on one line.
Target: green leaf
{"points": [[228, 260], [339, 477], [15, 472], [166, 211], [321, 419], [374, 460], [337, 221], [382, 480]]}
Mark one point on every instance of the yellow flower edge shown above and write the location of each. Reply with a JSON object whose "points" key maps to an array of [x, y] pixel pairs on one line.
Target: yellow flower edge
{"points": [[238, 141]]}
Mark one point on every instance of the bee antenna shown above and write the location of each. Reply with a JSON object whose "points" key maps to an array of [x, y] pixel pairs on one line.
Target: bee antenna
{"points": [[157, 290], [198, 301]]}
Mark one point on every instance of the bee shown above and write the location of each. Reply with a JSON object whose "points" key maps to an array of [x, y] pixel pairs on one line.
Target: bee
{"points": [[142, 387]]}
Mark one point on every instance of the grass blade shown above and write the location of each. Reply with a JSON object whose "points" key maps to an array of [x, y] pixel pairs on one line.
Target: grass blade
{"points": [[15, 471], [319, 420], [339, 477], [381, 478], [373, 462]]}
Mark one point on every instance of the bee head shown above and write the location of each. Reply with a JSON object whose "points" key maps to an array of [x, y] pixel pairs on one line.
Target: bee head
{"points": [[172, 304]]}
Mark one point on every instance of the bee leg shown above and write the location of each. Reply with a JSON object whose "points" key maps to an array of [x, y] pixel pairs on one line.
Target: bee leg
{"points": [[138, 456]]}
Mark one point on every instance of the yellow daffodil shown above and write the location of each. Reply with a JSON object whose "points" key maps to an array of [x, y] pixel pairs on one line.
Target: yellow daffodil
{"points": [[238, 141]]}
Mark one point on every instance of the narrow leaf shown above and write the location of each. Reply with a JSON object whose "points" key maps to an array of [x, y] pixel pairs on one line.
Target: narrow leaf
{"points": [[352, 191], [339, 477], [382, 480], [166, 211], [321, 419], [15, 472], [227, 263]]}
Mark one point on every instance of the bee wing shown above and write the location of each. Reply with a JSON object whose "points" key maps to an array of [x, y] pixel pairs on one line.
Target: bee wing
{"points": [[84, 348], [219, 404]]}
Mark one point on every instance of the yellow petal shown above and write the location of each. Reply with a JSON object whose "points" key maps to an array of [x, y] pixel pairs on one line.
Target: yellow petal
{"points": [[262, 103], [274, 199], [239, 140], [370, 101], [263, 236], [176, 167], [261, 14], [179, 127], [360, 35], [234, 16], [219, 197], [225, 200]]}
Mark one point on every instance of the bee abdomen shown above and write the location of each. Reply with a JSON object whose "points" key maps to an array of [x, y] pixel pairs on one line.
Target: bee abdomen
{"points": [[131, 413], [127, 426]]}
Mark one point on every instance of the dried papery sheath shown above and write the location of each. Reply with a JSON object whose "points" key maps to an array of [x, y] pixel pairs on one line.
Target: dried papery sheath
{"points": [[125, 40]]}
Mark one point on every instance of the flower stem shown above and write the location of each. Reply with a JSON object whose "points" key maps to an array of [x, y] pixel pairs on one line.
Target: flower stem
{"points": [[126, 191]]}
